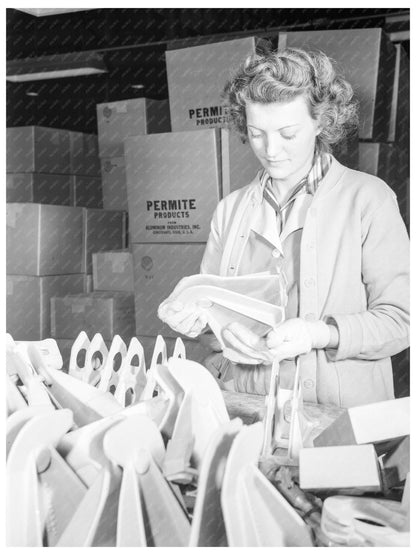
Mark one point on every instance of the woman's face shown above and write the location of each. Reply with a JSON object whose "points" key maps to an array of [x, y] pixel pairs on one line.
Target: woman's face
{"points": [[282, 136]]}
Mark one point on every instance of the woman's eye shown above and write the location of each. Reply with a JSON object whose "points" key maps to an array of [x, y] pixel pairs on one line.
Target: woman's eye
{"points": [[289, 137], [255, 136]]}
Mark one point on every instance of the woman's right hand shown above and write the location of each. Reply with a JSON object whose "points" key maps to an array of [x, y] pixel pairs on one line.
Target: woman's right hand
{"points": [[189, 319]]}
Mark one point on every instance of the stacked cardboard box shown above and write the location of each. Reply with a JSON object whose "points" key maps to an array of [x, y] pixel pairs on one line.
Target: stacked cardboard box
{"points": [[366, 57], [108, 313], [116, 121], [53, 166], [44, 258], [196, 78]]}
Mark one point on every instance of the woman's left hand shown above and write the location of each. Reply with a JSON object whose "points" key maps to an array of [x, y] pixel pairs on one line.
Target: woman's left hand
{"points": [[291, 338]]}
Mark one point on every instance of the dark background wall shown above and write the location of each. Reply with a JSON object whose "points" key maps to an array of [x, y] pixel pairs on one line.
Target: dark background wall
{"points": [[133, 43]]}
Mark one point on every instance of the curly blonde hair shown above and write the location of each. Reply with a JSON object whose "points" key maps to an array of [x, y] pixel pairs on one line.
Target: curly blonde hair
{"points": [[283, 75]]}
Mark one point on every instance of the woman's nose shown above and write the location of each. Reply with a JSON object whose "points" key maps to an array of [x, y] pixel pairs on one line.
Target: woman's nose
{"points": [[273, 145]]}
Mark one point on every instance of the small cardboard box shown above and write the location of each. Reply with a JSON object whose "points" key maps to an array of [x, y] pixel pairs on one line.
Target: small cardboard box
{"points": [[86, 191], [108, 313], [374, 423], [114, 183], [84, 154], [37, 149], [113, 271], [44, 188], [126, 118], [103, 230], [43, 239], [352, 468], [157, 270], [366, 57], [173, 185], [28, 303], [196, 79]]}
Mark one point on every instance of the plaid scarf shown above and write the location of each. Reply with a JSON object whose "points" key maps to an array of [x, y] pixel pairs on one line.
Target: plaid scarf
{"points": [[309, 184]]}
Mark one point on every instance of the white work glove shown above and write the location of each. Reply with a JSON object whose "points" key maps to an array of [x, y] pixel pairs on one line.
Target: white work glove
{"points": [[291, 338], [187, 319], [244, 346], [297, 337]]}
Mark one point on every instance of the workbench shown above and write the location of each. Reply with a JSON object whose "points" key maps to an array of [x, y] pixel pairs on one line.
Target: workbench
{"points": [[250, 408]]}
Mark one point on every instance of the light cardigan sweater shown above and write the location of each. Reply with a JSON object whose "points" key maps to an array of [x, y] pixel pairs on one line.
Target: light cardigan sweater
{"points": [[354, 269]]}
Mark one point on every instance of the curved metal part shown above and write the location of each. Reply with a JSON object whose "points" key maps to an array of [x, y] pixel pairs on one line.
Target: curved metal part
{"points": [[255, 513], [109, 376], [179, 350], [208, 528], [159, 356], [208, 410], [42, 491], [147, 503], [81, 343], [131, 378]]}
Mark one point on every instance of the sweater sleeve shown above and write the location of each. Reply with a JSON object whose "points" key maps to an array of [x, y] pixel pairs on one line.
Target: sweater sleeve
{"points": [[383, 329]]}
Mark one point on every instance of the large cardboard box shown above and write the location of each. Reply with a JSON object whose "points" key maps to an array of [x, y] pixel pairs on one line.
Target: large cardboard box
{"points": [[44, 188], [37, 149], [108, 313], [113, 271], [173, 185], [86, 191], [126, 118], [157, 269], [114, 183], [84, 154], [28, 303], [42, 239], [366, 57], [103, 230], [196, 79]]}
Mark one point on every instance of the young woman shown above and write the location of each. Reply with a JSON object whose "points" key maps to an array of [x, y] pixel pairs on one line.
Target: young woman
{"points": [[334, 234]]}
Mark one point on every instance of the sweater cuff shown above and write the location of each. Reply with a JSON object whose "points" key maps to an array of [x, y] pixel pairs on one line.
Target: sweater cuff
{"points": [[350, 336]]}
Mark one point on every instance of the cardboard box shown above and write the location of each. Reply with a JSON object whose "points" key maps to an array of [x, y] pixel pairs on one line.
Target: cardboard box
{"points": [[114, 183], [173, 185], [390, 162], [88, 283], [84, 154], [366, 57], [126, 118], [113, 271], [86, 191], [196, 79], [352, 467], [28, 303], [399, 131], [157, 269], [37, 149], [103, 230], [43, 239], [45, 188], [239, 164], [373, 423], [108, 313]]}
